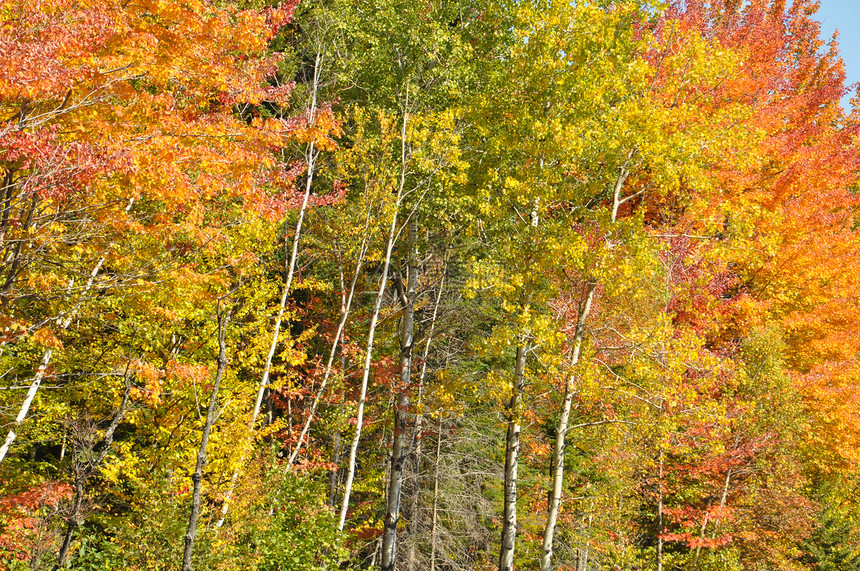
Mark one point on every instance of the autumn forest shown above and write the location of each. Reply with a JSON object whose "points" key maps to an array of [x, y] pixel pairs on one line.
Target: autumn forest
{"points": [[427, 285]]}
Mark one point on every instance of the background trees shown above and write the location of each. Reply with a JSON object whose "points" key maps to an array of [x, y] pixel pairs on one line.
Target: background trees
{"points": [[542, 284]]}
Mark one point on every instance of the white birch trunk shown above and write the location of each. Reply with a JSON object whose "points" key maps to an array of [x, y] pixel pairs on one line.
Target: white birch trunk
{"points": [[660, 512], [398, 443], [561, 433], [380, 294], [417, 438], [330, 364], [291, 268], [433, 517], [512, 453], [45, 361], [564, 420]]}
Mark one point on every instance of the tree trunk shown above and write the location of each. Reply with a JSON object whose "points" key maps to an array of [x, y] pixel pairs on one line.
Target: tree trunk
{"points": [[433, 517], [417, 436], [333, 479], [380, 294], [84, 470], [311, 157], [586, 549], [72, 523], [197, 477], [412, 554], [347, 306], [46, 359], [512, 453], [401, 408], [723, 498], [660, 512], [561, 433], [563, 422]]}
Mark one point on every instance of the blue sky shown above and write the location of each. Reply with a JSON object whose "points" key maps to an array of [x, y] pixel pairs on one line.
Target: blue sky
{"points": [[844, 15]]}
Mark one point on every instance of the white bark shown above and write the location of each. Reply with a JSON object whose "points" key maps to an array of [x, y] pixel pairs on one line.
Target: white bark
{"points": [[707, 517], [417, 438], [564, 420], [512, 453], [660, 513], [330, 364], [398, 443], [433, 517], [380, 294], [561, 433], [45, 361], [291, 268]]}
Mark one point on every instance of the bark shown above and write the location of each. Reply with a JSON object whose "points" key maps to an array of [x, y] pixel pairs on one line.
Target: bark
{"points": [[7, 191], [333, 479], [660, 512], [291, 267], [585, 550], [85, 469], [433, 517], [561, 433], [557, 470], [288, 282], [412, 555], [72, 523], [380, 294], [412, 526], [512, 453], [401, 408], [723, 498], [45, 361], [337, 337], [417, 438], [197, 477], [12, 260]]}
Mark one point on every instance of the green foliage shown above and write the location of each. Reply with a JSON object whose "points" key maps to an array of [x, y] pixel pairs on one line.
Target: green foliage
{"points": [[833, 545]]}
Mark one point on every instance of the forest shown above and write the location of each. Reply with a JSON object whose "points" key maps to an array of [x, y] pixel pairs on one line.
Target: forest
{"points": [[428, 285]]}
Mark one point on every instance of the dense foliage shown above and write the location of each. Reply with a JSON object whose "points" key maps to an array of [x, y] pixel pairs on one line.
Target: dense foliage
{"points": [[427, 285]]}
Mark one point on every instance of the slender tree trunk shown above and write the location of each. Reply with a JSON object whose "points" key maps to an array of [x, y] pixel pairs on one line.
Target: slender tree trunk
{"points": [[359, 416], [45, 361], [86, 469], [311, 157], [434, 516], [417, 436], [561, 433], [337, 336], [564, 420], [28, 400], [72, 523], [412, 554], [380, 294], [660, 511], [723, 498], [197, 477], [291, 268], [586, 549], [333, 479], [701, 535], [401, 408], [512, 453]]}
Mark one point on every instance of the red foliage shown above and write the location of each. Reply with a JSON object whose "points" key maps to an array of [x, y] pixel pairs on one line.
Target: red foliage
{"points": [[22, 517]]}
